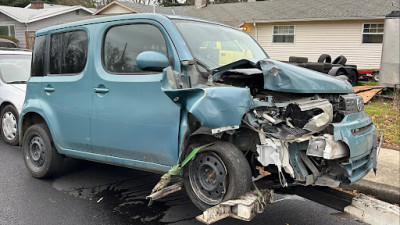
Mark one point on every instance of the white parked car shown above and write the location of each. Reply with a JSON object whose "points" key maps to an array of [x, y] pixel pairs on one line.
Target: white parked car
{"points": [[15, 66]]}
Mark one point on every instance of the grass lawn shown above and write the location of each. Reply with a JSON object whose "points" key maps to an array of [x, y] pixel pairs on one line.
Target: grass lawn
{"points": [[367, 83], [386, 117]]}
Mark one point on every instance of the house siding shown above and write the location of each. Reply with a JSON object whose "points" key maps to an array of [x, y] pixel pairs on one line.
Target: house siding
{"points": [[315, 38], [19, 28], [34, 26]]}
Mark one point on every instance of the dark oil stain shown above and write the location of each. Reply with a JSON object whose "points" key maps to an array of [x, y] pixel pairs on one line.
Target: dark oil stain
{"points": [[130, 210]]}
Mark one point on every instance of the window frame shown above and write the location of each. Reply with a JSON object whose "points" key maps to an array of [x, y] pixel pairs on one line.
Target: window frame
{"points": [[362, 33], [9, 31], [49, 36], [294, 34], [127, 24]]}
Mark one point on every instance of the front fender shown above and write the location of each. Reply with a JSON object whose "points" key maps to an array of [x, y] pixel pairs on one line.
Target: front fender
{"points": [[214, 107]]}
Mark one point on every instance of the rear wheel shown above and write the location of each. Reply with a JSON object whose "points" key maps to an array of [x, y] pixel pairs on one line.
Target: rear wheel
{"points": [[217, 173], [9, 125], [41, 157]]}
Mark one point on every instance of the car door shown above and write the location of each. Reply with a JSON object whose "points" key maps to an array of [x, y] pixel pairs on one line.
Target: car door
{"points": [[131, 116], [65, 97]]}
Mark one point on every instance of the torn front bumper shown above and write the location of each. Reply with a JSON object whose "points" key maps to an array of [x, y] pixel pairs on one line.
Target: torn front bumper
{"points": [[359, 134], [355, 132]]}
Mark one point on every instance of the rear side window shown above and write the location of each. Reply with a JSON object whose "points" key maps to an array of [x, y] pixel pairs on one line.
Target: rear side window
{"points": [[68, 52], [122, 44], [39, 48]]}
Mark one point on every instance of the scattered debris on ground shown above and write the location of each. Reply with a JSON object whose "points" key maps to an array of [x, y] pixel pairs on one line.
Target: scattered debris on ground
{"points": [[367, 92], [354, 192]]}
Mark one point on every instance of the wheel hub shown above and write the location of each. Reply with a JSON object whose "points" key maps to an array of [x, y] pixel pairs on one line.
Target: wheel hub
{"points": [[36, 150], [208, 177], [9, 126]]}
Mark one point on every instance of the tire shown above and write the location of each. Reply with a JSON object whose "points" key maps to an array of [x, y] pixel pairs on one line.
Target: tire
{"points": [[298, 59], [342, 75], [229, 170], [325, 58], [352, 78], [315, 66], [9, 125], [340, 60], [40, 156]]}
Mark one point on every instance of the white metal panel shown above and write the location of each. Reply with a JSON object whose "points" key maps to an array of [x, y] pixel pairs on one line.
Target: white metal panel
{"points": [[326, 37], [389, 75]]}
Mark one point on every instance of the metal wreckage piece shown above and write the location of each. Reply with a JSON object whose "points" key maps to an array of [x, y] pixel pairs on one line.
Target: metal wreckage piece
{"points": [[246, 207]]}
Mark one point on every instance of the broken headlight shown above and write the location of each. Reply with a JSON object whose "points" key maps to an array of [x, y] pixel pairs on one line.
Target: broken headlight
{"points": [[351, 103]]}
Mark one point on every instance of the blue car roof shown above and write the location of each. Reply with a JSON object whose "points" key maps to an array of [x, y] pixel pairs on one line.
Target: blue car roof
{"points": [[154, 16]]}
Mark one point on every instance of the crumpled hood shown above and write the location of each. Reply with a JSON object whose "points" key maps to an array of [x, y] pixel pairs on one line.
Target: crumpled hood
{"points": [[280, 76], [21, 87], [284, 77]]}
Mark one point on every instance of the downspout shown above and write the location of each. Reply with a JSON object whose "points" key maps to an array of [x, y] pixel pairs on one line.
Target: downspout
{"points": [[255, 31], [26, 32]]}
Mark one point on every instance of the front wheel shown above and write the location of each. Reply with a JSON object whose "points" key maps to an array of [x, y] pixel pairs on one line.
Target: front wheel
{"points": [[217, 173], [41, 157], [9, 125]]}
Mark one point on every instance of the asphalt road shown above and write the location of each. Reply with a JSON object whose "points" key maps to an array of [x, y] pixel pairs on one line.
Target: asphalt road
{"points": [[92, 193]]}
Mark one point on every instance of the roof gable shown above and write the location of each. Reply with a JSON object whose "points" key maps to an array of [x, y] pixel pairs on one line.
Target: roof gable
{"points": [[115, 4]]}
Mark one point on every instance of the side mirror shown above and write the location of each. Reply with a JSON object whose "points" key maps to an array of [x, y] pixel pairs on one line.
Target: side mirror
{"points": [[152, 61]]}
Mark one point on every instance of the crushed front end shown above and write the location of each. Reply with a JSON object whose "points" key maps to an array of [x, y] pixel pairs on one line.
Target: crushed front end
{"points": [[312, 141], [316, 136]]}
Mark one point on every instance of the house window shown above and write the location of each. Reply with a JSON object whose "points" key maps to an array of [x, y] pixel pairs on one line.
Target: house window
{"points": [[372, 33], [7, 30], [283, 34]]}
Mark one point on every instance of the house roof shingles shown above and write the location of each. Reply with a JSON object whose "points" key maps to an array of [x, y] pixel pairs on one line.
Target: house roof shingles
{"points": [[278, 10], [27, 15]]}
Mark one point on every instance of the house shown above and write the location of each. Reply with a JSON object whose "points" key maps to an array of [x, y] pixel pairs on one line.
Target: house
{"points": [[22, 23], [308, 28], [122, 7]]}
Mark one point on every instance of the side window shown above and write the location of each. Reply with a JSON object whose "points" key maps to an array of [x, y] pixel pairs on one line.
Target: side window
{"points": [[122, 44], [373, 33], [68, 52], [37, 68], [283, 34]]}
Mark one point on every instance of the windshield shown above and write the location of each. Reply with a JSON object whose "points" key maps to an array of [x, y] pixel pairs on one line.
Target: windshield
{"points": [[215, 45], [15, 68]]}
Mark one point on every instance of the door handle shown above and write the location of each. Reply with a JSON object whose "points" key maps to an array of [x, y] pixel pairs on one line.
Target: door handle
{"points": [[49, 89], [101, 90]]}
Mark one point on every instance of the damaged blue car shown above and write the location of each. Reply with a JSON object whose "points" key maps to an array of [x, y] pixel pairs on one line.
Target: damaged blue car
{"points": [[155, 92]]}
